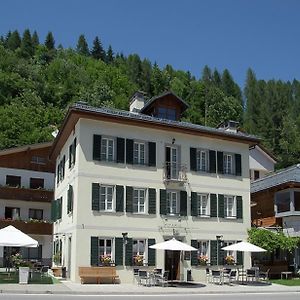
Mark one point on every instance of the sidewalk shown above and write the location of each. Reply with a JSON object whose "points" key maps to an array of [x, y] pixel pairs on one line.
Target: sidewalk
{"points": [[67, 287]]}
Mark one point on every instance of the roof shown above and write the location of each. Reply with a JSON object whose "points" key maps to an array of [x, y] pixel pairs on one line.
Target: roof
{"points": [[81, 110], [152, 100], [266, 152], [288, 175], [25, 148]]}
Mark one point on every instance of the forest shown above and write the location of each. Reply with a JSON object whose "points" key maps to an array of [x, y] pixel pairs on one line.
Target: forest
{"points": [[39, 80]]}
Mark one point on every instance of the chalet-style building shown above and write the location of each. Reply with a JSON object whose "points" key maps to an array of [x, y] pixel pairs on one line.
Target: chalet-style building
{"points": [[26, 193], [127, 180]]}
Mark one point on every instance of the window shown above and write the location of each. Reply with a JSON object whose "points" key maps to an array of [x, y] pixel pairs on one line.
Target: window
{"points": [[36, 183], [14, 181], [172, 203], [107, 149], [32, 253], [61, 169], [138, 252], [229, 206], [139, 196], [202, 252], [105, 249], [256, 174], [297, 201], [202, 160], [228, 163], [12, 213], [36, 214], [38, 160], [139, 153], [202, 208], [283, 202], [229, 254], [72, 153], [166, 113], [106, 198]]}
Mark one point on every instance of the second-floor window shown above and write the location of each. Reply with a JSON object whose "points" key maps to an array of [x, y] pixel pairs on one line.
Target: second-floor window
{"points": [[229, 206], [12, 213], [36, 183], [202, 160], [36, 214], [139, 196], [106, 198], [139, 153], [228, 163], [14, 181], [203, 204], [107, 149], [172, 202]]}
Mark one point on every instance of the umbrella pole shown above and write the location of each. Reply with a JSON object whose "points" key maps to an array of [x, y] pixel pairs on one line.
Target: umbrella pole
{"points": [[172, 268]]}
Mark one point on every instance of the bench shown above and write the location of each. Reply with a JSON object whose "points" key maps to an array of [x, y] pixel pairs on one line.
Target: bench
{"points": [[97, 274]]}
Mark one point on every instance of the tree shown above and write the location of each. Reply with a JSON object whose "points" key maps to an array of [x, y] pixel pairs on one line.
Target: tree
{"points": [[13, 41], [49, 41], [97, 50], [82, 46], [35, 39], [27, 49], [206, 74], [229, 87], [109, 55]]}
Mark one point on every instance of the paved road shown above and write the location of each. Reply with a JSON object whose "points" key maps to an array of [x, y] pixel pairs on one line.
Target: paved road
{"points": [[244, 296]]}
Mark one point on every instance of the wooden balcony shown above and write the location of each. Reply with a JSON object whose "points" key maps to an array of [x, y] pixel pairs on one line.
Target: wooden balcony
{"points": [[15, 193], [174, 173], [29, 227]]}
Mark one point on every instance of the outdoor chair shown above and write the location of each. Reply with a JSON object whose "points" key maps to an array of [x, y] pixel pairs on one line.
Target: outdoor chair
{"points": [[136, 275], [157, 271], [162, 280], [232, 276], [250, 274], [216, 275], [44, 271], [264, 275], [143, 278]]}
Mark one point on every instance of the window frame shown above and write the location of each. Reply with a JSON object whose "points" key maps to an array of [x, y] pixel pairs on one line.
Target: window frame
{"points": [[106, 187], [200, 206], [105, 239], [35, 210], [105, 156], [13, 179], [226, 206], [138, 189], [230, 252], [199, 160], [137, 160], [200, 247], [226, 169], [177, 202], [145, 253]]}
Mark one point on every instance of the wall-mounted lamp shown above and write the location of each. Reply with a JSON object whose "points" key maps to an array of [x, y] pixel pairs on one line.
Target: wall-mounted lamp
{"points": [[125, 237], [173, 141]]}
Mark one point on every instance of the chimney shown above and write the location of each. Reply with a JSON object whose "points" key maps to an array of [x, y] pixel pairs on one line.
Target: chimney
{"points": [[137, 101], [230, 125]]}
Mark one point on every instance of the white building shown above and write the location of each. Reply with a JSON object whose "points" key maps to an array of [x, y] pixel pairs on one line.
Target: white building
{"points": [[126, 180]]}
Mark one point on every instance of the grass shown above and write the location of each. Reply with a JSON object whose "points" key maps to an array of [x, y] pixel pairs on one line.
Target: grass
{"points": [[287, 282], [36, 279]]}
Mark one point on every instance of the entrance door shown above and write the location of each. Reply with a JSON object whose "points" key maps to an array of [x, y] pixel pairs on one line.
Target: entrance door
{"points": [[172, 162], [172, 257]]}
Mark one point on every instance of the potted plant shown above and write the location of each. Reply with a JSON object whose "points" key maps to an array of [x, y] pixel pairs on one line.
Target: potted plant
{"points": [[229, 259], [138, 260], [105, 259], [202, 259]]}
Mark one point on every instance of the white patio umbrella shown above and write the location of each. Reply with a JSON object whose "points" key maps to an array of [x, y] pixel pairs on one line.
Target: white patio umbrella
{"points": [[13, 237], [173, 245]]}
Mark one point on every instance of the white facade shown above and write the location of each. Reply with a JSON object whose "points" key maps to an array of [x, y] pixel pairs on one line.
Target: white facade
{"points": [[75, 229]]}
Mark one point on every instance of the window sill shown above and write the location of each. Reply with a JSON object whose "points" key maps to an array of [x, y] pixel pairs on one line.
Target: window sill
{"points": [[203, 216], [230, 218]]}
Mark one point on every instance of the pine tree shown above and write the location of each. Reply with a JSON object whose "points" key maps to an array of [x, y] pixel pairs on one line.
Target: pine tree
{"points": [[109, 55], [13, 42], [98, 51], [216, 78], [35, 39], [229, 87], [206, 74], [49, 41], [7, 37], [27, 49], [82, 46]]}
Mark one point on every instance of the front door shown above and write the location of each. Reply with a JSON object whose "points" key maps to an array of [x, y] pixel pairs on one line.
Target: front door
{"points": [[172, 258], [172, 162]]}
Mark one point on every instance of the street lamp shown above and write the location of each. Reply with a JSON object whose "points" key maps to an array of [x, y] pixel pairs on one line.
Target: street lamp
{"points": [[219, 238]]}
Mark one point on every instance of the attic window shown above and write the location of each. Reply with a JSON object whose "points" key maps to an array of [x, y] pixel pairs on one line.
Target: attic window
{"points": [[166, 113], [38, 160]]}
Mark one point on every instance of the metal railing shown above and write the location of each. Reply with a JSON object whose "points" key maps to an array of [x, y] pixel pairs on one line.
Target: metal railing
{"points": [[174, 172]]}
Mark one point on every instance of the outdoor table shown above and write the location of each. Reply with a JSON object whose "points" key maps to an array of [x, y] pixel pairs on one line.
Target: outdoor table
{"points": [[286, 274]]}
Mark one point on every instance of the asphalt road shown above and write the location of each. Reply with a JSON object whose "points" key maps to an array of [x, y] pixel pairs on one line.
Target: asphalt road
{"points": [[244, 296]]}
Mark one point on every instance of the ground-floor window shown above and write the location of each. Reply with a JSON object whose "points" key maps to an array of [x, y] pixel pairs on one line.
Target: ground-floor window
{"points": [[203, 252], [230, 256], [138, 252], [105, 250]]}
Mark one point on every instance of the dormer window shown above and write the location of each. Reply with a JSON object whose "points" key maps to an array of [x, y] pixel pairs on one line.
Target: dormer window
{"points": [[166, 113]]}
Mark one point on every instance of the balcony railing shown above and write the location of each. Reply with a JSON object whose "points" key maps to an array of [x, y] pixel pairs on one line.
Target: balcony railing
{"points": [[29, 227], [16, 193], [174, 172]]}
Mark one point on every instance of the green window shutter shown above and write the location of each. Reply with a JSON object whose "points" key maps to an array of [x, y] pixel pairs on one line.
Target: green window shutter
{"points": [[194, 206], [97, 147], [129, 151], [183, 203], [152, 154], [120, 150], [220, 162], [212, 161], [63, 166], [119, 198], [213, 205], [57, 174], [128, 253], [74, 151], [152, 201], [163, 202], [119, 251], [221, 255], [194, 254], [151, 253], [53, 210], [59, 208], [95, 196], [213, 253], [94, 251], [129, 199], [70, 155], [221, 206], [239, 207], [238, 164], [239, 257], [70, 199], [193, 159]]}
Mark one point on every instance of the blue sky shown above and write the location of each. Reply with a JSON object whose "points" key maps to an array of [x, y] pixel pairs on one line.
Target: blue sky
{"points": [[188, 34]]}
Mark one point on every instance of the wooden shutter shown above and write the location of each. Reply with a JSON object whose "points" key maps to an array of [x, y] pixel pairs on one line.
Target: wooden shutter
{"points": [[70, 155], [163, 202], [128, 252], [120, 150], [239, 207], [213, 205], [53, 210], [94, 251], [213, 253], [119, 198], [70, 199], [194, 254], [151, 201], [239, 257], [63, 166], [59, 208], [221, 212], [183, 203], [194, 204], [151, 253], [238, 164], [95, 196], [74, 151], [129, 151], [220, 162], [97, 147], [119, 251], [221, 253], [212, 161], [193, 159], [129, 199], [152, 154]]}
